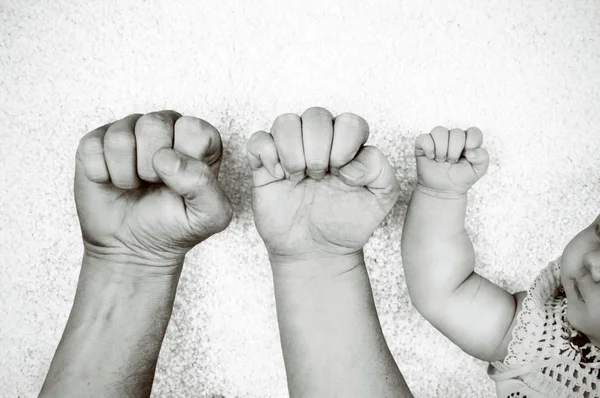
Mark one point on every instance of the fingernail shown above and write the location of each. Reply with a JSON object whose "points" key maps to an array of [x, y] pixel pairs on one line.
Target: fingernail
{"points": [[279, 173], [317, 175], [168, 162], [299, 176], [353, 171]]}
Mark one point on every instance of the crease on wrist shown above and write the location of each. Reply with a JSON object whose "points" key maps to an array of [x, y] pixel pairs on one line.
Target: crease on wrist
{"points": [[129, 270], [439, 194], [316, 266]]}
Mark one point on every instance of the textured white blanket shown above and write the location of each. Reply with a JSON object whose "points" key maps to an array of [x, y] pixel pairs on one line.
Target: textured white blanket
{"points": [[526, 73]]}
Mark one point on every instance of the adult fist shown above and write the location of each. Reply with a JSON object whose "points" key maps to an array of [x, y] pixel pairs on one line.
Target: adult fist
{"points": [[146, 188], [317, 191], [450, 162]]}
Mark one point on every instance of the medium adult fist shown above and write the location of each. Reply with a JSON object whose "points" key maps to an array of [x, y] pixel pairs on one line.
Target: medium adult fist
{"points": [[146, 188], [450, 162], [317, 190]]}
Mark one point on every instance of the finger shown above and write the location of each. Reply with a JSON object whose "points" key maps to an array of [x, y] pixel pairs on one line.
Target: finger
{"points": [[90, 155], [207, 206], [370, 168], [199, 139], [456, 145], [153, 131], [424, 146], [317, 136], [440, 137], [120, 153], [474, 138], [264, 159], [479, 160], [350, 133], [287, 134]]}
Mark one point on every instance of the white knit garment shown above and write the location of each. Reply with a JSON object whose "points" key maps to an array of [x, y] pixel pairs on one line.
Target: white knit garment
{"points": [[547, 357]]}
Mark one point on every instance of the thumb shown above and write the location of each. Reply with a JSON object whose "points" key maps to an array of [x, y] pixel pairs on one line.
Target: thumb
{"points": [[371, 169], [479, 160], [207, 206]]}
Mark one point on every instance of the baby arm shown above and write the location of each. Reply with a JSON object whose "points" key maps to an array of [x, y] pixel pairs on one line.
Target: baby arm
{"points": [[438, 256]]}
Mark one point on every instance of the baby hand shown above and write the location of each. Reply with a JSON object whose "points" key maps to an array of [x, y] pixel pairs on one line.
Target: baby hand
{"points": [[324, 214], [146, 188], [450, 162]]}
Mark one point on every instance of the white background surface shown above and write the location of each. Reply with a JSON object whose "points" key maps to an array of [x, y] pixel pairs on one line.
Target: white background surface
{"points": [[526, 73]]}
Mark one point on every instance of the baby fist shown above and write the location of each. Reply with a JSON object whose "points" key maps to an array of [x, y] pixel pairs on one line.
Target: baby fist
{"points": [[146, 188], [450, 162]]}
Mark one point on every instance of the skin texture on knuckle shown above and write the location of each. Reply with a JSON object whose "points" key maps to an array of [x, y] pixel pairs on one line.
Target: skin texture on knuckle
{"points": [[90, 145], [201, 126], [154, 120], [119, 141], [286, 121], [317, 112], [352, 120]]}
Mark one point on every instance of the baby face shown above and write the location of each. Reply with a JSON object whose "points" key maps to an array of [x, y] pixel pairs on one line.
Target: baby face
{"points": [[580, 277]]}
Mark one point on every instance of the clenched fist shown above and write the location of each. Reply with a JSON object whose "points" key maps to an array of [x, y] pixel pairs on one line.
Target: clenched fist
{"points": [[450, 162], [146, 188], [318, 191]]}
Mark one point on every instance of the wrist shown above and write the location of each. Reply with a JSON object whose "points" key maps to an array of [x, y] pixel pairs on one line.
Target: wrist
{"points": [[123, 291], [314, 266], [129, 267], [114, 332], [137, 258], [440, 193]]}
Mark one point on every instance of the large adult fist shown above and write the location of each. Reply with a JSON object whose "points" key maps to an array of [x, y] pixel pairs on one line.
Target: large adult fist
{"points": [[146, 188], [318, 191], [450, 162]]}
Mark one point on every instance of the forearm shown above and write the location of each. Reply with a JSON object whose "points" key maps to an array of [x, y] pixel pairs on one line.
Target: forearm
{"points": [[113, 336], [437, 253], [439, 262], [332, 342]]}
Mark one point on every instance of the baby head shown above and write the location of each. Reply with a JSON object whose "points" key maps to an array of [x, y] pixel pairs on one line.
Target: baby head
{"points": [[580, 277]]}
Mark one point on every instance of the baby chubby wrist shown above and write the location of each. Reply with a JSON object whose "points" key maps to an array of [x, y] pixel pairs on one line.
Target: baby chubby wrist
{"points": [[440, 193]]}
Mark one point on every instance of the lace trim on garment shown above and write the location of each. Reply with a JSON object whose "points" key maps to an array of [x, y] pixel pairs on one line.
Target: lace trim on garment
{"points": [[545, 351]]}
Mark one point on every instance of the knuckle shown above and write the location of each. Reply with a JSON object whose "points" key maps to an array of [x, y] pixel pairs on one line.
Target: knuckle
{"points": [[287, 121], [154, 120], [352, 120], [194, 123], [261, 145], [457, 133], [255, 141], [189, 123], [119, 140], [89, 145], [317, 112], [422, 138]]}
